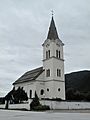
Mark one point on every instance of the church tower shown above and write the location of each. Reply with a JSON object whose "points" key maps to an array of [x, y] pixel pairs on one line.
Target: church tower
{"points": [[53, 64]]}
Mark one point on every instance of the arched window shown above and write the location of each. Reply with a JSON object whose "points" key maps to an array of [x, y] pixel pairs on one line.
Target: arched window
{"points": [[48, 53], [41, 92], [59, 89], [59, 54], [58, 72], [48, 73], [30, 93], [56, 53]]}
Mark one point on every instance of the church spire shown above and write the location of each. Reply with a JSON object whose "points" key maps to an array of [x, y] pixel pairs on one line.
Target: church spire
{"points": [[52, 33]]}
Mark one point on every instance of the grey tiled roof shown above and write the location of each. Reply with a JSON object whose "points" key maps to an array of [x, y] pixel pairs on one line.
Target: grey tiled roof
{"points": [[52, 34], [29, 76]]}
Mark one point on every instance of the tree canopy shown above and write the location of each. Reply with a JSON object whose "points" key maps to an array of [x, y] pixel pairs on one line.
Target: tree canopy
{"points": [[16, 96]]}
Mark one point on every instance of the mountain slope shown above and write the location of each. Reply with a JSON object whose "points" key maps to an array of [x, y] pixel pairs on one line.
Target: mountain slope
{"points": [[78, 80]]}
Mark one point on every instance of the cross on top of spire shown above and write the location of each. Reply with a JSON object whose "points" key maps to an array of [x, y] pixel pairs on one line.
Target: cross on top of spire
{"points": [[52, 12]]}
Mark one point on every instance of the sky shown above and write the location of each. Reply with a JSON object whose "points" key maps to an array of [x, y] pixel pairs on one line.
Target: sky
{"points": [[24, 26]]}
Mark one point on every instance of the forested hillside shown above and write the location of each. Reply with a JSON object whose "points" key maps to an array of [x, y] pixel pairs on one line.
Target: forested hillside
{"points": [[78, 85]]}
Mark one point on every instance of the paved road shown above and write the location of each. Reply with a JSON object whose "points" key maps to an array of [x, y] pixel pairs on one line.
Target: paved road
{"points": [[27, 115]]}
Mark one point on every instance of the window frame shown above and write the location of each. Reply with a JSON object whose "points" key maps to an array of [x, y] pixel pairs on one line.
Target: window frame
{"points": [[56, 53], [48, 54], [58, 72], [48, 89], [59, 89], [30, 94], [48, 73], [41, 92], [59, 54]]}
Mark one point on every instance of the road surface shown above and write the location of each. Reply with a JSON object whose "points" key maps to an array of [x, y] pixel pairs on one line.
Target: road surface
{"points": [[49, 115]]}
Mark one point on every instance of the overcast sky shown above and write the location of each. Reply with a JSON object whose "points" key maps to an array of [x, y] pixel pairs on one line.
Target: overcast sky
{"points": [[24, 26]]}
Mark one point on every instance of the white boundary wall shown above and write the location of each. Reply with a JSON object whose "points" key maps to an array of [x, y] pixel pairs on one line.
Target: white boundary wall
{"points": [[17, 106], [66, 105], [53, 105], [2, 105]]}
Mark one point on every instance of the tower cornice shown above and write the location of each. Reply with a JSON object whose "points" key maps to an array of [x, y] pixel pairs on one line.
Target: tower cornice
{"points": [[53, 40], [53, 57]]}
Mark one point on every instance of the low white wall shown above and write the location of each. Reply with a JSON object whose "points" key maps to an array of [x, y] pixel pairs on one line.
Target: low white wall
{"points": [[66, 105], [2, 105], [53, 105], [16, 106], [19, 106]]}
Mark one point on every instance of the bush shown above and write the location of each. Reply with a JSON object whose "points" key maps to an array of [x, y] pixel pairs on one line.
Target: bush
{"points": [[72, 94], [57, 99], [35, 102], [35, 105], [88, 96], [41, 108], [2, 100]]}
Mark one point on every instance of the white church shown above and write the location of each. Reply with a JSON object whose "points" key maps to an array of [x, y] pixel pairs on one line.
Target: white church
{"points": [[48, 81]]}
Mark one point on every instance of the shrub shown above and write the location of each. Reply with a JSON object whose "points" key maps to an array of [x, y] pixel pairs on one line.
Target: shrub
{"points": [[41, 108], [2, 100], [35, 104], [88, 96], [72, 94], [56, 99]]}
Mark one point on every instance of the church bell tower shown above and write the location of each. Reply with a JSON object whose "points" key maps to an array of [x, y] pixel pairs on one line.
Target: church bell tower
{"points": [[53, 64]]}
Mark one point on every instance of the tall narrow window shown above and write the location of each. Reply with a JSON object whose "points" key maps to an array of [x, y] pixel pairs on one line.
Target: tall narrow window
{"points": [[59, 54], [46, 55], [58, 72], [49, 53], [56, 53], [48, 73], [30, 93], [41, 92], [59, 89]]}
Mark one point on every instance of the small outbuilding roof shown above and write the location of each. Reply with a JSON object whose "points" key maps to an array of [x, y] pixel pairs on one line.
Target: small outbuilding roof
{"points": [[29, 76]]}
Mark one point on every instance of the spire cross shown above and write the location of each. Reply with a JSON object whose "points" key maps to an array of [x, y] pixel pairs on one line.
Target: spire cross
{"points": [[52, 12]]}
